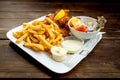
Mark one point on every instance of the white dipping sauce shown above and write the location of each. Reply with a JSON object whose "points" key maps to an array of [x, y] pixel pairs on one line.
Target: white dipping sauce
{"points": [[72, 46]]}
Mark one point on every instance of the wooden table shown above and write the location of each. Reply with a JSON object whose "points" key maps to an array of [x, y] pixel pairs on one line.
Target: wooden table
{"points": [[102, 62]]}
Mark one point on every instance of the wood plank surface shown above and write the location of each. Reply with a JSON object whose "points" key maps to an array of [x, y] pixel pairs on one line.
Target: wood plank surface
{"points": [[102, 62], [99, 62]]}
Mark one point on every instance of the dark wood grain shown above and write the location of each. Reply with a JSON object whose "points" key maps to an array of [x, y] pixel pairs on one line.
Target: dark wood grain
{"points": [[95, 65], [102, 62]]}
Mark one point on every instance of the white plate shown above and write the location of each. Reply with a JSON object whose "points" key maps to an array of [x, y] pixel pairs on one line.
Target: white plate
{"points": [[47, 61]]}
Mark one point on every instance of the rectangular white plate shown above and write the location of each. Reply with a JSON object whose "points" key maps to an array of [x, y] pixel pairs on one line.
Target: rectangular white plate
{"points": [[47, 61]]}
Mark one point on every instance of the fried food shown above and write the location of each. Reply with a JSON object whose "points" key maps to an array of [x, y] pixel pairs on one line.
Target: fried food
{"points": [[62, 21], [39, 35]]}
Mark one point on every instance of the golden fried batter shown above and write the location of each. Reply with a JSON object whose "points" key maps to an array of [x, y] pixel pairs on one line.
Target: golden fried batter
{"points": [[62, 22]]}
